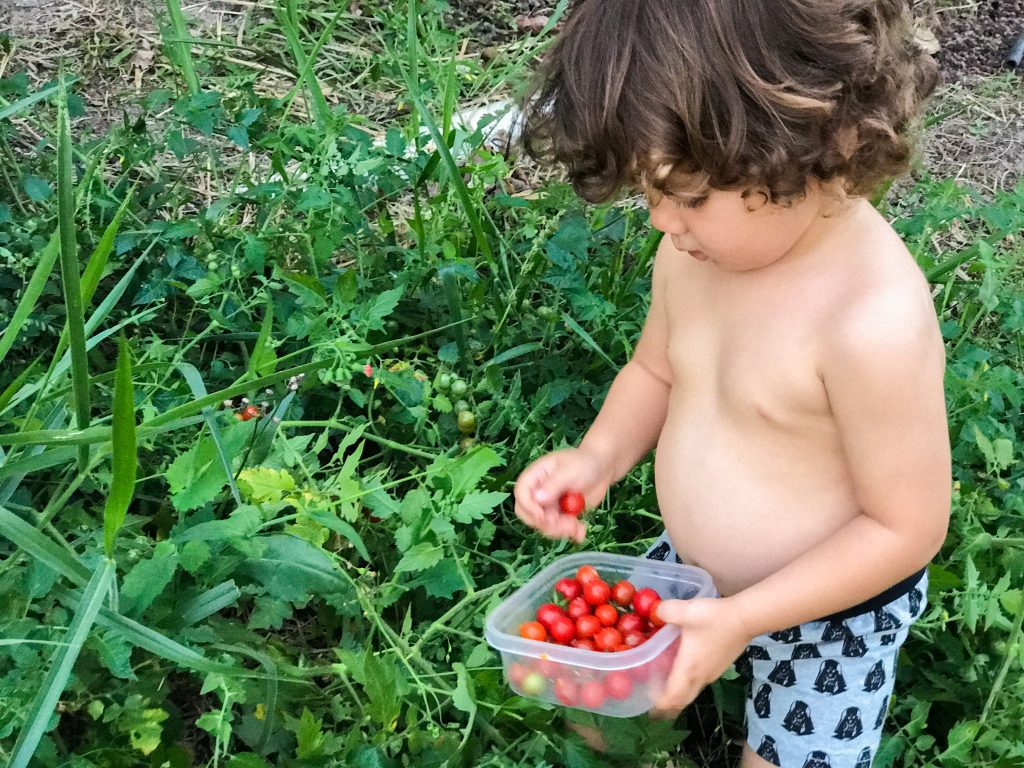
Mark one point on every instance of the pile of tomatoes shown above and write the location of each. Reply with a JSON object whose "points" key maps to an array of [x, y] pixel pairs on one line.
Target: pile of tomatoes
{"points": [[596, 616]]}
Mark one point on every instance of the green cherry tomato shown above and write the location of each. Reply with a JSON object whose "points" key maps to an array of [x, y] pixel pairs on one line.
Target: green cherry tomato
{"points": [[460, 406], [546, 313], [467, 422], [212, 266], [534, 684], [466, 443], [444, 381], [459, 388]]}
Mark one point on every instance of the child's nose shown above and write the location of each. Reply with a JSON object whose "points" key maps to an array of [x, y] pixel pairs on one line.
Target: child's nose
{"points": [[664, 218]]}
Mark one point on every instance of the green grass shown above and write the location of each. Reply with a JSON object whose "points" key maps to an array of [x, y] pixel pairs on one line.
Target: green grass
{"points": [[308, 586]]}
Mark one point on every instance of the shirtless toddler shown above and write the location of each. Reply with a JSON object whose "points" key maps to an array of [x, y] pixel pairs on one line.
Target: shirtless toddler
{"points": [[790, 370]]}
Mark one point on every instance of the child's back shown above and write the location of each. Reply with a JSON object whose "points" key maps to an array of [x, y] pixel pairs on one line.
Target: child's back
{"points": [[790, 370]]}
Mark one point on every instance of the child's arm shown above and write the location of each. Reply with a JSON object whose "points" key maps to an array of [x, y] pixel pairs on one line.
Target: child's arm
{"points": [[630, 420], [884, 378]]}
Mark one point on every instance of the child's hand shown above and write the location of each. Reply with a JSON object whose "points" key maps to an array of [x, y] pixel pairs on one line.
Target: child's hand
{"points": [[712, 637], [542, 484]]}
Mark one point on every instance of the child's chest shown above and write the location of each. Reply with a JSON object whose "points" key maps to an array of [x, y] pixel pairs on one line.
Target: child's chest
{"points": [[749, 351]]}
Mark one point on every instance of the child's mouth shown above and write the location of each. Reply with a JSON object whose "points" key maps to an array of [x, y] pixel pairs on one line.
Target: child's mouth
{"points": [[699, 255]]}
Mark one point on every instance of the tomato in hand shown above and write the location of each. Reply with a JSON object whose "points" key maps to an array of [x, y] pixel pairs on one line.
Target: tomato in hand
{"points": [[587, 626], [592, 694], [562, 629], [643, 600], [572, 503], [618, 684], [568, 588], [578, 607], [655, 620], [622, 593], [607, 639], [586, 573], [606, 614], [547, 614], [596, 592], [533, 630]]}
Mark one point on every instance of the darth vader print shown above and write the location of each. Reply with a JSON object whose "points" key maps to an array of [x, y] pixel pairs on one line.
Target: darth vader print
{"points": [[660, 552], [817, 759], [915, 597], [763, 701], [745, 665], [885, 621], [849, 725], [881, 714], [854, 646], [830, 678], [783, 674], [864, 759], [806, 651], [767, 750], [875, 678], [798, 719], [790, 635], [834, 630]]}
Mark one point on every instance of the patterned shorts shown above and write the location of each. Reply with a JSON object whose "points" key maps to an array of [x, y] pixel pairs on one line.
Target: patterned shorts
{"points": [[820, 691]]}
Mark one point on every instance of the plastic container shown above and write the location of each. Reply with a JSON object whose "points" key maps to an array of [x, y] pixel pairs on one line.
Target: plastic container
{"points": [[534, 669]]}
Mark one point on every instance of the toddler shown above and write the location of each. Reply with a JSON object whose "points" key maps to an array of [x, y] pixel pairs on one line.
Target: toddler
{"points": [[790, 370]]}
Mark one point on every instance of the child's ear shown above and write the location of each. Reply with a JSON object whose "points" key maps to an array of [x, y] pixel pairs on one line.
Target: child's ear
{"points": [[755, 199]]}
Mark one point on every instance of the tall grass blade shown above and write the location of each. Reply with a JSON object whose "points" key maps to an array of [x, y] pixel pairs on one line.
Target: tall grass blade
{"points": [[21, 105], [181, 52], [198, 387], [62, 663], [57, 418], [288, 16], [69, 272], [122, 484], [36, 285], [210, 602], [15, 386], [454, 297], [262, 360], [42, 547], [100, 254]]}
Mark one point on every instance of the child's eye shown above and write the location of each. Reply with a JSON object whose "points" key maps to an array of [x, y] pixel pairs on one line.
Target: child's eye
{"points": [[693, 202]]}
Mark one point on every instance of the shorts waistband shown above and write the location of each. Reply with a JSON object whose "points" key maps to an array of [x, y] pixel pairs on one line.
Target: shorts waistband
{"points": [[897, 590]]}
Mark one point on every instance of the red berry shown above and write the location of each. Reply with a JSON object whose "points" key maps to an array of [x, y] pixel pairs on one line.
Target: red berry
{"points": [[655, 620], [562, 630], [606, 614], [630, 622], [548, 667], [592, 694], [566, 691], [547, 613], [578, 607], [643, 600], [641, 673], [622, 647], [586, 573], [516, 673], [633, 639], [583, 645], [596, 592], [618, 684], [607, 639], [568, 588], [587, 626], [622, 593], [572, 503], [533, 630]]}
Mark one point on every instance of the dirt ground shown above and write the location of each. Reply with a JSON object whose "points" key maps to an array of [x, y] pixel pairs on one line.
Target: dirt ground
{"points": [[977, 120]]}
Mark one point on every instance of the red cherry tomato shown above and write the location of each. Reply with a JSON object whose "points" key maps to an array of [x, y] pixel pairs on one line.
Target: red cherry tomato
{"points": [[547, 613], [606, 614], [622, 647], [653, 618], [568, 588], [622, 593], [583, 645], [607, 639], [562, 630], [572, 503], [517, 673], [596, 592], [587, 626], [618, 684], [566, 691], [634, 638], [630, 622], [641, 673], [578, 607], [533, 630], [548, 667], [592, 694], [642, 601], [586, 573]]}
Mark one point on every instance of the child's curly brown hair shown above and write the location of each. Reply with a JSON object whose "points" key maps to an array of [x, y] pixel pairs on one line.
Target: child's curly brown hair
{"points": [[682, 95]]}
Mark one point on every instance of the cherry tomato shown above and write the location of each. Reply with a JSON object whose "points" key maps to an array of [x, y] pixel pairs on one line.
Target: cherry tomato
{"points": [[634, 638], [587, 626], [622, 647], [517, 673], [606, 614], [534, 684], [533, 630], [548, 667], [562, 629], [547, 613], [641, 673], [618, 684], [578, 607], [583, 645], [596, 592], [642, 601], [568, 588], [630, 622], [466, 421], [459, 387], [653, 619], [607, 639], [622, 593], [592, 694], [566, 691], [572, 503], [586, 573]]}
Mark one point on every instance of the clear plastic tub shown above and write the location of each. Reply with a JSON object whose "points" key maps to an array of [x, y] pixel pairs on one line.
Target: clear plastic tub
{"points": [[533, 669]]}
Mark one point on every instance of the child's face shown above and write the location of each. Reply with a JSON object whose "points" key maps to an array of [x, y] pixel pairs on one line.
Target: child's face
{"points": [[731, 232]]}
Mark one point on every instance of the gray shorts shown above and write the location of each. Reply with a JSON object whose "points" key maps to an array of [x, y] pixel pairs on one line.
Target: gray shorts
{"points": [[819, 691]]}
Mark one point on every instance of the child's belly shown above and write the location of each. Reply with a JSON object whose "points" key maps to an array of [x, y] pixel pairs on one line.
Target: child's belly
{"points": [[742, 499]]}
